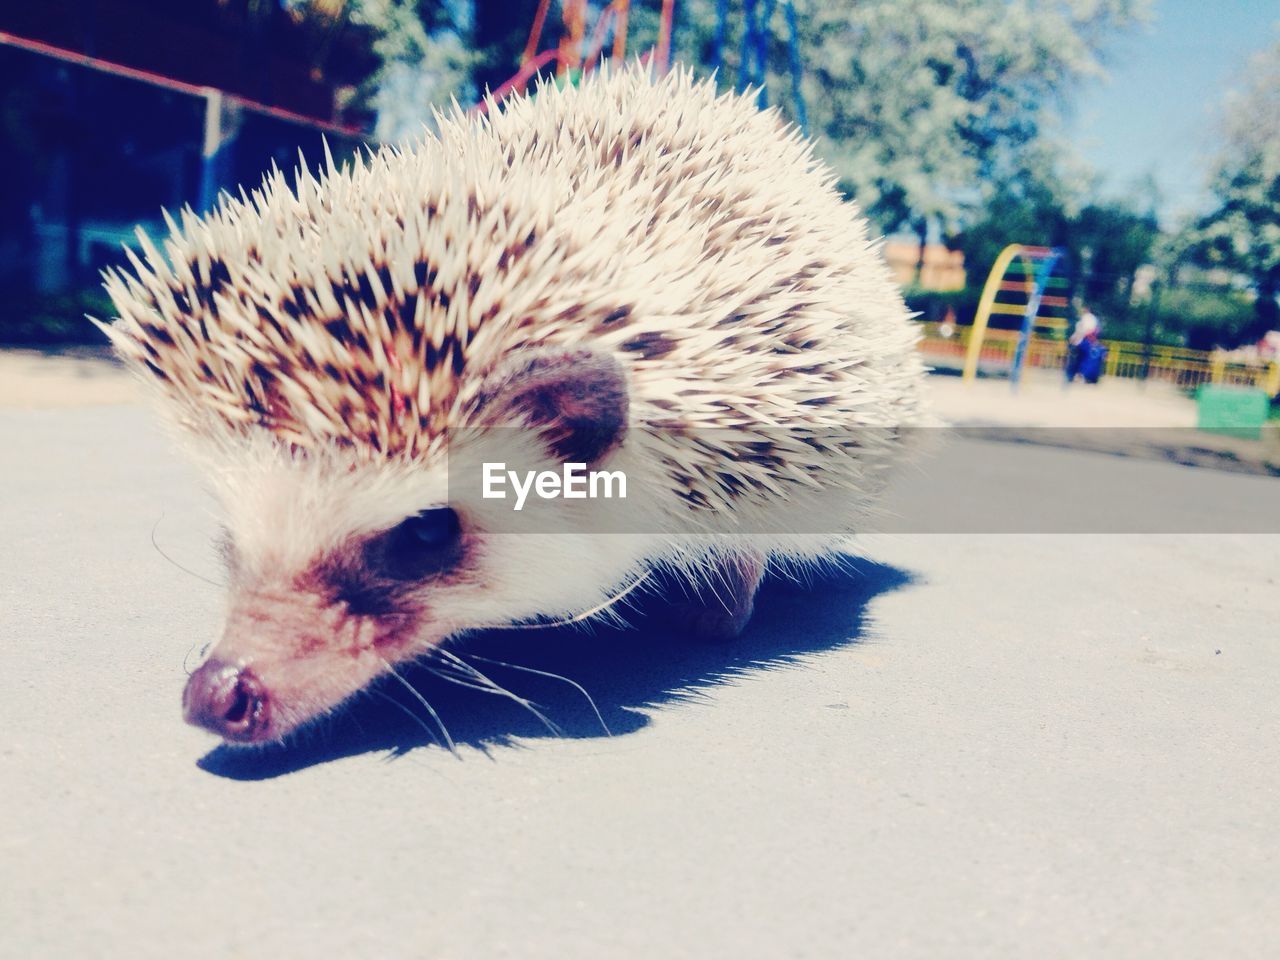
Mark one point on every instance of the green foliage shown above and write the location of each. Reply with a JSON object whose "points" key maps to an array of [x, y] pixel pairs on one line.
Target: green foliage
{"points": [[1198, 317], [1106, 242], [423, 46], [1029, 208], [919, 106], [1110, 241], [38, 320], [932, 305], [1243, 233]]}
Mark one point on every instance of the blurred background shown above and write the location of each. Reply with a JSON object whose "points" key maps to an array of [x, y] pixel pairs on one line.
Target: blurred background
{"points": [[1138, 140]]}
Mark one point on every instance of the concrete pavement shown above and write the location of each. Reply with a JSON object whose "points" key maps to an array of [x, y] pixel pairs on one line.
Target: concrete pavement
{"points": [[967, 746]]}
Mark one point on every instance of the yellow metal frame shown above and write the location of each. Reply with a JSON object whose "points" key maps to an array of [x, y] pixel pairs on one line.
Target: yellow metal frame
{"points": [[985, 305]]}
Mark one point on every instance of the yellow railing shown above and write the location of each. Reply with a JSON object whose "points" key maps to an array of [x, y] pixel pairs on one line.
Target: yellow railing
{"points": [[1177, 365]]}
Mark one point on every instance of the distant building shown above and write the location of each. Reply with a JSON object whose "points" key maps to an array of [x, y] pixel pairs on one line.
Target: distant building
{"points": [[943, 269], [93, 148], [263, 50]]}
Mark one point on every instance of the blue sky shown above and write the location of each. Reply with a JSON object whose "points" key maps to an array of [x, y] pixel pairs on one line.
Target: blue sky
{"points": [[1156, 110]]}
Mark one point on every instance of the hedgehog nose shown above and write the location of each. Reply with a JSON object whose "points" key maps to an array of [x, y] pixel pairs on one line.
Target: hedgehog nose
{"points": [[229, 700]]}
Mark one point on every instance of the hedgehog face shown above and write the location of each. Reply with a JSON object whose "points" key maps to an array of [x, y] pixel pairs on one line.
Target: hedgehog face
{"points": [[340, 568]]}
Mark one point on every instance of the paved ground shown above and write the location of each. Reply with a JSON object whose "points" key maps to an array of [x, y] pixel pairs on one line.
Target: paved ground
{"points": [[1042, 400], [40, 380], [1146, 420], [970, 746]]}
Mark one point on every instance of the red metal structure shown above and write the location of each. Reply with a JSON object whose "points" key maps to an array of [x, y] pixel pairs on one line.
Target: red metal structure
{"points": [[568, 53]]}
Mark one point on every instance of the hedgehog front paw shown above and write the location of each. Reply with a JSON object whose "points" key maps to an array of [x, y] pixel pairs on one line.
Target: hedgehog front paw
{"points": [[721, 608]]}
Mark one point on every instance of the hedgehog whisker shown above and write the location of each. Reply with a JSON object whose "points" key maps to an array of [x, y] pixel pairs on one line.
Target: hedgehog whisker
{"points": [[586, 614], [491, 687], [456, 679], [553, 676], [709, 583], [466, 684], [427, 706], [435, 737], [159, 550], [395, 752], [187, 657], [465, 675]]}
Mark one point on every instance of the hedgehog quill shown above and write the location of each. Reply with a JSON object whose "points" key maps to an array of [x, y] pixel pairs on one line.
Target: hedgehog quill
{"points": [[635, 275]]}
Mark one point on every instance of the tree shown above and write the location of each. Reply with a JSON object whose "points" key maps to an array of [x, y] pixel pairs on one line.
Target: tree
{"points": [[1106, 242], [1111, 240], [425, 60], [1034, 205], [1243, 233], [922, 108]]}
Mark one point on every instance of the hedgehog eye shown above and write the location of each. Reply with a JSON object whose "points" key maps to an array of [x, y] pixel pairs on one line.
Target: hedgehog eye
{"points": [[423, 544], [432, 528]]}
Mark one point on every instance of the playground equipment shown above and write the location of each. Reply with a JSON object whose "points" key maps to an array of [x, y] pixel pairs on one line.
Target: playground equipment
{"points": [[1027, 272], [568, 53], [571, 61], [1031, 282], [755, 51]]}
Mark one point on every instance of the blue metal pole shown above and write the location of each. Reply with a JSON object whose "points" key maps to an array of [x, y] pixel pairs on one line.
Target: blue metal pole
{"points": [[793, 53], [1043, 272], [762, 53], [748, 43], [717, 43]]}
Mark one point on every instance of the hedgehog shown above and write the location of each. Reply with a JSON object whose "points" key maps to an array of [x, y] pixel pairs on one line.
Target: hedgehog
{"points": [[635, 274]]}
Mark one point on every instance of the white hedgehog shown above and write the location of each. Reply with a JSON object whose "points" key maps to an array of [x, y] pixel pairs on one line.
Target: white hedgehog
{"points": [[635, 274]]}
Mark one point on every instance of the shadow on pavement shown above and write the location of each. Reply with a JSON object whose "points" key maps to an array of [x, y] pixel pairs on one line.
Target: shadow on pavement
{"points": [[625, 670]]}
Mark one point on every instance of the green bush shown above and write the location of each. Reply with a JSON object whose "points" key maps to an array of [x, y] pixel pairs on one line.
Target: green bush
{"points": [[43, 320], [932, 305], [1203, 318]]}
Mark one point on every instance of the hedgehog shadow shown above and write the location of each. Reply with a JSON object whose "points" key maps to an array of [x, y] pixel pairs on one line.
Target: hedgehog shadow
{"points": [[628, 672]]}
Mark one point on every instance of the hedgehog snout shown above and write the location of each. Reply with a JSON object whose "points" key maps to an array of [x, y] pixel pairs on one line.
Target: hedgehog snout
{"points": [[227, 700]]}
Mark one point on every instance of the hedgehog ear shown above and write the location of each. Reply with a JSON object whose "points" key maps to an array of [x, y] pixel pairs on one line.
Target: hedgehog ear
{"points": [[575, 397]]}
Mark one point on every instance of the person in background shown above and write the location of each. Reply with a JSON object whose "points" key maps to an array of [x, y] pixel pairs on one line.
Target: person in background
{"points": [[1086, 351]]}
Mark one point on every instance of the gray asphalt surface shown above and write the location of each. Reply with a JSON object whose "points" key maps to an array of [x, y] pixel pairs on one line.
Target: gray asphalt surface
{"points": [[969, 746]]}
